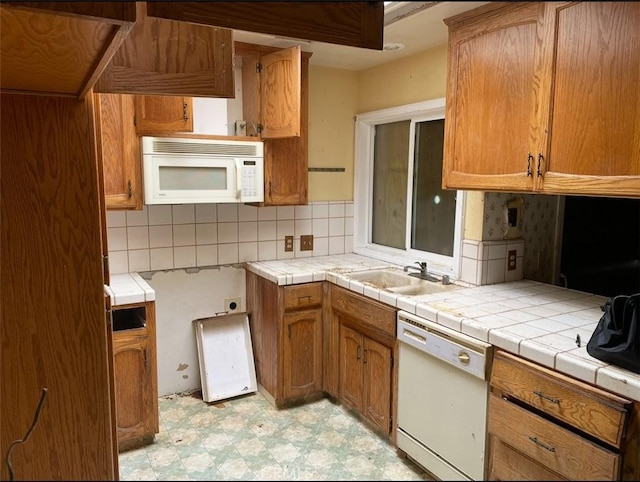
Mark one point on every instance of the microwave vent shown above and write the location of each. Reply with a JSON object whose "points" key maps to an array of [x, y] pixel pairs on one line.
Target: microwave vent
{"points": [[209, 148]]}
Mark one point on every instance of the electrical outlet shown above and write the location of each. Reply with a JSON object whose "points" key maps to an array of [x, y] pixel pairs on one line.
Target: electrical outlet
{"points": [[306, 242], [288, 243], [233, 305], [511, 260]]}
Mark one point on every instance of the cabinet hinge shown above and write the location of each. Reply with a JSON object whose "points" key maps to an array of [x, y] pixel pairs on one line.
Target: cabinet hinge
{"points": [[259, 128], [105, 264], [185, 117], [258, 67], [129, 189], [135, 123], [145, 357], [107, 319], [390, 424]]}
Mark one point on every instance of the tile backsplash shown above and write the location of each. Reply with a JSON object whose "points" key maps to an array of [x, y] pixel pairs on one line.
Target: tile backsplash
{"points": [[162, 237], [487, 262]]}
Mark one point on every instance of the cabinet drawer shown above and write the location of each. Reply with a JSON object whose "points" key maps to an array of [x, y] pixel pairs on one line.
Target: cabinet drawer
{"points": [[554, 447], [368, 312], [302, 296], [587, 408], [509, 464]]}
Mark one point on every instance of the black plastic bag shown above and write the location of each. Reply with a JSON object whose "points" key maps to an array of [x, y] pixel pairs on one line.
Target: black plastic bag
{"points": [[616, 339]]}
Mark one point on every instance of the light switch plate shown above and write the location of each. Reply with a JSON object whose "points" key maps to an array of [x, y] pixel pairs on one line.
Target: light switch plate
{"points": [[306, 242]]}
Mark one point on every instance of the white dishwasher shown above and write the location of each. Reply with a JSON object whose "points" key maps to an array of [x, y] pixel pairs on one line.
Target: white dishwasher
{"points": [[442, 398]]}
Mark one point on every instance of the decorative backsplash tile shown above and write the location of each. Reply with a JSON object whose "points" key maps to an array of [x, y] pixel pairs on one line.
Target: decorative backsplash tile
{"points": [[538, 229], [163, 237]]}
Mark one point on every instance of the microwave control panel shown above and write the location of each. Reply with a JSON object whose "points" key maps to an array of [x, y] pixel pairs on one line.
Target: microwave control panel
{"points": [[251, 181]]}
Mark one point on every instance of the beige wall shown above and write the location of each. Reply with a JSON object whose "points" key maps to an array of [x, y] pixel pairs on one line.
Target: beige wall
{"points": [[419, 77], [336, 96], [333, 95]]}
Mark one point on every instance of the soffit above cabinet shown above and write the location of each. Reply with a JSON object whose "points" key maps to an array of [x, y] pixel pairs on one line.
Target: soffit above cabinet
{"points": [[59, 48], [355, 24]]}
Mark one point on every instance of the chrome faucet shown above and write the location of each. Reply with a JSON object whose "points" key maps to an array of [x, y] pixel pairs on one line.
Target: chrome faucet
{"points": [[422, 273], [423, 267]]}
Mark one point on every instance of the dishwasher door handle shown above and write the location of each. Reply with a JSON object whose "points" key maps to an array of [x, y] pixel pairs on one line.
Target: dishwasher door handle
{"points": [[414, 336]]}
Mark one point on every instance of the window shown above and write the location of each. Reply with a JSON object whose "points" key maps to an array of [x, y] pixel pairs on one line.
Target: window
{"points": [[401, 212]]}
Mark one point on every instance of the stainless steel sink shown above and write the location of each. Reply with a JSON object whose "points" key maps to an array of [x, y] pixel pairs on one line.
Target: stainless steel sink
{"points": [[399, 282]]}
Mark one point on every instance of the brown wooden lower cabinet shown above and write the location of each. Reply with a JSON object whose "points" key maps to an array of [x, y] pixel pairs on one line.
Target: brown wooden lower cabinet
{"points": [[286, 334], [363, 333], [544, 425], [365, 376], [135, 373]]}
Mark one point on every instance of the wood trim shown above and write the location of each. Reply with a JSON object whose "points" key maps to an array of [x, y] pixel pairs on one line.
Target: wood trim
{"points": [[112, 12], [118, 36], [59, 55]]}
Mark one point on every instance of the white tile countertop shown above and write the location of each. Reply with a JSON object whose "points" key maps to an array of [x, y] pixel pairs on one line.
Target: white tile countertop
{"points": [[128, 288], [538, 321]]}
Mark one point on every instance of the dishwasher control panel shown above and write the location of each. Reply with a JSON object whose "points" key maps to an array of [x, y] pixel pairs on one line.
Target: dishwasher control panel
{"points": [[457, 349]]}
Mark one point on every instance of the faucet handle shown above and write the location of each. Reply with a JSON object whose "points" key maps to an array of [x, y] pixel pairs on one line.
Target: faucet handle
{"points": [[423, 265]]}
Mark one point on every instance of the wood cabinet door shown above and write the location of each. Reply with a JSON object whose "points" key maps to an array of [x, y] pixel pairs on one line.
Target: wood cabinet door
{"points": [[491, 101], [376, 362], [118, 149], [157, 114], [593, 145], [350, 360], [263, 302], [273, 100], [133, 383], [302, 353], [286, 159], [280, 91], [169, 57], [52, 293]]}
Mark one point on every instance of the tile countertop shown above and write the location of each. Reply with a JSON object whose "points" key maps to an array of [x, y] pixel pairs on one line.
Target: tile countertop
{"points": [[537, 321], [129, 288]]}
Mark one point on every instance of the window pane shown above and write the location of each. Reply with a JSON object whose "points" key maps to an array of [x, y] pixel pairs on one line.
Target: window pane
{"points": [[434, 209], [391, 151]]}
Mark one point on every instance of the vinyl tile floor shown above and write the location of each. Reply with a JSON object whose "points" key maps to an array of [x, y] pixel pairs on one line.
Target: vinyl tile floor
{"points": [[246, 438]]}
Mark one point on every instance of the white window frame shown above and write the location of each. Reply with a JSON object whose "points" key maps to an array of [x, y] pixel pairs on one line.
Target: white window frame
{"points": [[363, 188]]}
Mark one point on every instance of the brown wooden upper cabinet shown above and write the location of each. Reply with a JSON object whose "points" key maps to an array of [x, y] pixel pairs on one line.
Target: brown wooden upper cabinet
{"points": [[275, 100], [60, 48], [170, 57], [119, 151], [543, 97], [157, 114]]}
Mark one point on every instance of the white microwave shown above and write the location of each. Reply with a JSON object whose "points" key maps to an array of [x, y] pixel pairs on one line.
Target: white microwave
{"points": [[180, 170]]}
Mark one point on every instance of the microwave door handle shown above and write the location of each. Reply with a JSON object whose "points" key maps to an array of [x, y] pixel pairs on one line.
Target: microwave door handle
{"points": [[238, 179]]}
